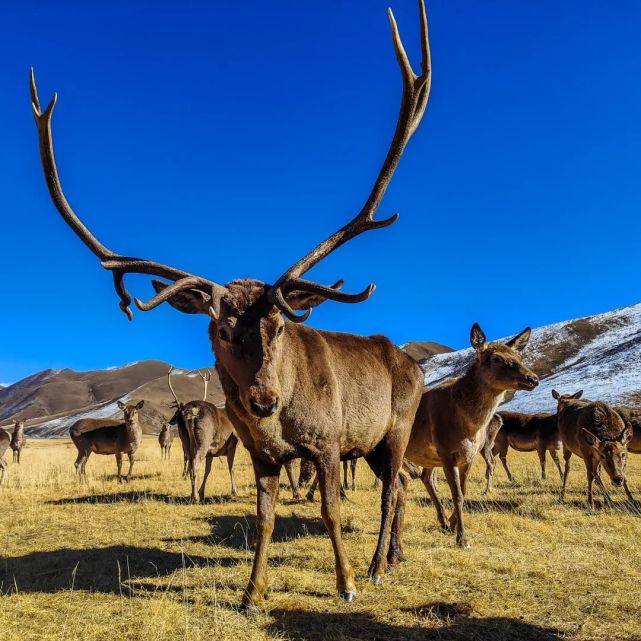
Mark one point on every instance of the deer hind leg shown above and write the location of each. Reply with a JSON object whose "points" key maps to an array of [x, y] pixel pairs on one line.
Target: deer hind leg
{"points": [[231, 454], [555, 457], [352, 465], [385, 461], [312, 489], [328, 474], [428, 481], [345, 481], [267, 480], [3, 469], [567, 455], [193, 475], [488, 457], [209, 459], [503, 458], [289, 468]]}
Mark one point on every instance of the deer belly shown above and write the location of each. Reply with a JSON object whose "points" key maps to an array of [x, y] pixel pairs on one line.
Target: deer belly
{"points": [[522, 443]]}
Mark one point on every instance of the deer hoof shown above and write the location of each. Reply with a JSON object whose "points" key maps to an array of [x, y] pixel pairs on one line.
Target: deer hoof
{"points": [[377, 579], [463, 543], [349, 597], [249, 609]]}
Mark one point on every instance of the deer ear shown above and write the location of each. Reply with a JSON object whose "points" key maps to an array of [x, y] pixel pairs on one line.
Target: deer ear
{"points": [[556, 395], [626, 436], [592, 440], [189, 301], [300, 300], [121, 405], [520, 341], [577, 395], [140, 405], [477, 338]]}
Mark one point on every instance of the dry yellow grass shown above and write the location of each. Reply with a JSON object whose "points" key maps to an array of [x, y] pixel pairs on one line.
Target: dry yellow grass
{"points": [[105, 561]]}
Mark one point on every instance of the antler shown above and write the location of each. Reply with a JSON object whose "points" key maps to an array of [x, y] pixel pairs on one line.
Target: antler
{"points": [[171, 388], [116, 263], [416, 90], [206, 378]]}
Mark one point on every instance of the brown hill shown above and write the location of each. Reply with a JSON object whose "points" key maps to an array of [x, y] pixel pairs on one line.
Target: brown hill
{"points": [[420, 350]]}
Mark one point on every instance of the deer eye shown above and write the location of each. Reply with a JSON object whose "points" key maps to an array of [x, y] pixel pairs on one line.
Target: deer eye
{"points": [[223, 334], [280, 330]]}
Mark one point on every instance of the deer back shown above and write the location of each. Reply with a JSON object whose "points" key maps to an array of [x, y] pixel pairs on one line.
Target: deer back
{"points": [[5, 440]]}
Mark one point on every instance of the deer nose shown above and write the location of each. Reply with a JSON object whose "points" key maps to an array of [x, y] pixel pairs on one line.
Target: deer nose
{"points": [[264, 410], [532, 380], [618, 481]]}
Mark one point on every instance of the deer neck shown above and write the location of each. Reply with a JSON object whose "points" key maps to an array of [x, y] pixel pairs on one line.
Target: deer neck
{"points": [[477, 400], [133, 430]]}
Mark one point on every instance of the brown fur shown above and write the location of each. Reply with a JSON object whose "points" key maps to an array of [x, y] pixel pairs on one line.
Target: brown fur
{"points": [[5, 440], [528, 433], [18, 440], [166, 440], [596, 433], [451, 421], [108, 437], [632, 415]]}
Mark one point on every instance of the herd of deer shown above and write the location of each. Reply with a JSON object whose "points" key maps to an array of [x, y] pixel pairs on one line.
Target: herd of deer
{"points": [[296, 392]]}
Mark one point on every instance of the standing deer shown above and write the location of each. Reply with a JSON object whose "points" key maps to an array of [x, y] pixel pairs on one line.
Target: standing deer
{"points": [[108, 437], [206, 433], [293, 391], [5, 440], [18, 440], [595, 432], [166, 440], [527, 433], [450, 427]]}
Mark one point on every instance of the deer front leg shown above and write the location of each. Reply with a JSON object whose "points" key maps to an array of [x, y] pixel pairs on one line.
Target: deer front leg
{"points": [[289, 468], [328, 474], [119, 465], [312, 489], [353, 467], [542, 452], [488, 457], [555, 457], [231, 454], [590, 475], [201, 491], [628, 493], [567, 455], [428, 481], [345, 481], [503, 458], [267, 480], [453, 477], [132, 458], [606, 495]]}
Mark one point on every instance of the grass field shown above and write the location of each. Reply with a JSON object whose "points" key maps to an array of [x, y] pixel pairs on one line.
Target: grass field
{"points": [[105, 561]]}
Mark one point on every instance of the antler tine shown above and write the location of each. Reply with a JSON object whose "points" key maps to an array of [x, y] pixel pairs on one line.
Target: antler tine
{"points": [[116, 263], [171, 388], [416, 91], [206, 378]]}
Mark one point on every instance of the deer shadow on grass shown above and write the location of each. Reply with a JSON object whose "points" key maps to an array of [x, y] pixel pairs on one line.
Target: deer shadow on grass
{"points": [[238, 532], [447, 621], [139, 497], [113, 569], [474, 505]]}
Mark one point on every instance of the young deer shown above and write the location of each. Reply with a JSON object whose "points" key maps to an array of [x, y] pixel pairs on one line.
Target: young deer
{"points": [[292, 391], [5, 440], [527, 433], [450, 427], [166, 440], [596, 433], [108, 437], [18, 440]]}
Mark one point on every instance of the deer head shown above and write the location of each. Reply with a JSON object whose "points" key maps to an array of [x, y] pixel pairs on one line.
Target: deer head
{"points": [[19, 425], [131, 411], [500, 363], [247, 330], [611, 452], [565, 398]]}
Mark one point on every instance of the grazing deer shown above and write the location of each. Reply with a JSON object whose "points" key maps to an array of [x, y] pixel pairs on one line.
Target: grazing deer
{"points": [[206, 433], [293, 391], [5, 440], [450, 427], [527, 433], [166, 440], [108, 437], [632, 415], [18, 440], [595, 432]]}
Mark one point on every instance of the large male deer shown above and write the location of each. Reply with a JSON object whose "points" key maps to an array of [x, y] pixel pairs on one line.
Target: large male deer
{"points": [[450, 427], [293, 391], [108, 437], [18, 440], [5, 440], [527, 433], [165, 440], [595, 432]]}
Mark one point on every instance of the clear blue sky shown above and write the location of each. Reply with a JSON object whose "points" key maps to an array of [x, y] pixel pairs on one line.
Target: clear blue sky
{"points": [[228, 138]]}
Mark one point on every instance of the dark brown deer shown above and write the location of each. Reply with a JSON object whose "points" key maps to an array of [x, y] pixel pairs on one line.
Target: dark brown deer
{"points": [[451, 422], [108, 437], [165, 440], [632, 415], [596, 433], [292, 391], [527, 433], [5, 440], [18, 440]]}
